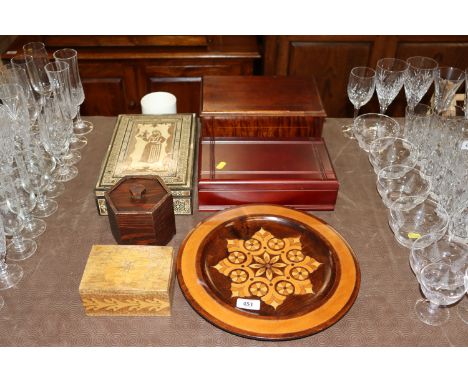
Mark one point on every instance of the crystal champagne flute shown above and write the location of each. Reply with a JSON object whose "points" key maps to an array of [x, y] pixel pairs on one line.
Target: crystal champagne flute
{"points": [[390, 77], [70, 56], [447, 81], [36, 59], [55, 132], [361, 86]]}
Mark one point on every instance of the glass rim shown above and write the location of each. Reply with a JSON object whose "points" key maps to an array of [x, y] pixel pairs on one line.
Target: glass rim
{"points": [[448, 267], [56, 66], [451, 69], [396, 60], [32, 44], [429, 59], [381, 139], [367, 68], [381, 171], [73, 52], [377, 116], [22, 56]]}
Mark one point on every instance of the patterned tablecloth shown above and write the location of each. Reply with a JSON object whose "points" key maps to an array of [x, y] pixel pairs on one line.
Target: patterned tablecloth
{"points": [[45, 308]]}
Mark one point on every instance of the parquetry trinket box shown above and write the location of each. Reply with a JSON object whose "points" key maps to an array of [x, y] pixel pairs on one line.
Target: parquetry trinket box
{"points": [[161, 145], [128, 280]]}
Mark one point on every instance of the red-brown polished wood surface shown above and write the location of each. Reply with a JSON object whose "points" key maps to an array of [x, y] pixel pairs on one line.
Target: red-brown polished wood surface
{"points": [[141, 211], [293, 172], [267, 106], [299, 271]]}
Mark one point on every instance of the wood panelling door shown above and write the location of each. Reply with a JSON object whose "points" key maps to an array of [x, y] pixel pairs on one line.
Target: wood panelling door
{"points": [[110, 89]]}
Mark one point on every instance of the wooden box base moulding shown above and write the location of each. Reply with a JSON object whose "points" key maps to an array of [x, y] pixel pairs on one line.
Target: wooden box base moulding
{"points": [[162, 145], [128, 280], [291, 172]]}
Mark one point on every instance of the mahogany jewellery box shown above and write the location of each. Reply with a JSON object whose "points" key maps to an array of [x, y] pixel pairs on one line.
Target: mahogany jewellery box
{"points": [[261, 143]]}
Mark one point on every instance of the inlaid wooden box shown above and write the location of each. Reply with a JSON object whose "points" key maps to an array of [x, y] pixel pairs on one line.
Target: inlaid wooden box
{"points": [[128, 280], [261, 106], [293, 172], [162, 145], [141, 211]]}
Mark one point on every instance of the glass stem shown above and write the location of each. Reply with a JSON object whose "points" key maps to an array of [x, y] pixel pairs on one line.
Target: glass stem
{"points": [[78, 117], [18, 242], [432, 307], [382, 109], [41, 201], [27, 219], [356, 112], [3, 265]]}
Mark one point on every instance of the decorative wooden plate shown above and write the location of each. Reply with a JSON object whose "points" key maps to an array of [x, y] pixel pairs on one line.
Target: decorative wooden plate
{"points": [[268, 272]]}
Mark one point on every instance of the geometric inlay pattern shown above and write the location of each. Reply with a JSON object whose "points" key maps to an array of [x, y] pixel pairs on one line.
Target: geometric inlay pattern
{"points": [[268, 268]]}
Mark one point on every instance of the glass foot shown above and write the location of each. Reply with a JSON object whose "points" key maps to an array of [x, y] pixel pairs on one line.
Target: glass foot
{"points": [[462, 310], [66, 174], [73, 157], [46, 209], [29, 248], [34, 229], [348, 131], [54, 190], [10, 276], [431, 316], [78, 142], [82, 127]]}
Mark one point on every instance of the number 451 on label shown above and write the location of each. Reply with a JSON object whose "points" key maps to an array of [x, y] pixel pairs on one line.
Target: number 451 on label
{"points": [[244, 303]]}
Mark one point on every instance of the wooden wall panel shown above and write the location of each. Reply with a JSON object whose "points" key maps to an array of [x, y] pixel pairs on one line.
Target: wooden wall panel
{"points": [[330, 63], [330, 59]]}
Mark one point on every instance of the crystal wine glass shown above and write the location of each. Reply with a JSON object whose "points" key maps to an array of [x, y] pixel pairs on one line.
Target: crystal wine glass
{"points": [[70, 56], [417, 127], [402, 187], [37, 173], [420, 75], [425, 218], [23, 203], [390, 77], [441, 285], [36, 59], [15, 104], [388, 151], [447, 81], [19, 248], [448, 249], [10, 274], [369, 127], [361, 86]]}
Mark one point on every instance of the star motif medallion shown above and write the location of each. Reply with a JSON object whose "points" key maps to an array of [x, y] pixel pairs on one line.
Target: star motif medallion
{"points": [[267, 267]]}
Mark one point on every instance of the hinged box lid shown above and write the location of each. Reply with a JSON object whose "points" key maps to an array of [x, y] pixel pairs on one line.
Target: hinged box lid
{"points": [[261, 96], [140, 194]]}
